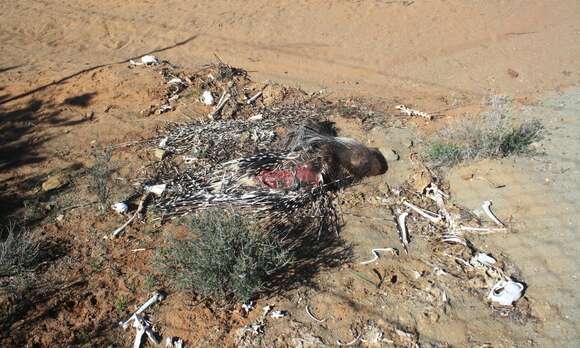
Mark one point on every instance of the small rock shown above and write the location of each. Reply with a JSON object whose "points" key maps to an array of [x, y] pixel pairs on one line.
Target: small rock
{"points": [[55, 182], [273, 93], [514, 74]]}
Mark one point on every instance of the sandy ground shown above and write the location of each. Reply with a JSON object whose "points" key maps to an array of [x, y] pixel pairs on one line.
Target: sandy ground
{"points": [[64, 84]]}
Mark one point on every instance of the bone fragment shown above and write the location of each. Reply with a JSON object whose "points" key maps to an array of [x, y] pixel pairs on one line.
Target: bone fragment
{"points": [[157, 297], [434, 218], [375, 253], [313, 317], [403, 230], [487, 209]]}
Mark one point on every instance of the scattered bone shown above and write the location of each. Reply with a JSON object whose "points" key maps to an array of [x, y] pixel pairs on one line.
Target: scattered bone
{"points": [[278, 314], [266, 310], [137, 212], [175, 81], [505, 292], [434, 218], [157, 297], [313, 317], [339, 342], [145, 60], [207, 98], [120, 207], [412, 112], [162, 142], [143, 326], [221, 103], [487, 209], [483, 230], [138, 250], [482, 258], [252, 99], [248, 307], [375, 253], [155, 189], [173, 342], [403, 231], [254, 118]]}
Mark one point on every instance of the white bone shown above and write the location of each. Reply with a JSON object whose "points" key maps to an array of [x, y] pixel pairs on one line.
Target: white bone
{"points": [[207, 98], [313, 317], [120, 207], [278, 314], [412, 112], [434, 218], [145, 60], [175, 81], [162, 142], [223, 100], [140, 328], [403, 230], [254, 118], [505, 292], [375, 253], [349, 343], [483, 259], [256, 96], [173, 342], [487, 209], [157, 297], [156, 189], [248, 307]]}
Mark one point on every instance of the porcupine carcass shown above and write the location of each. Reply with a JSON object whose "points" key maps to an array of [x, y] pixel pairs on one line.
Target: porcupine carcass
{"points": [[280, 186]]}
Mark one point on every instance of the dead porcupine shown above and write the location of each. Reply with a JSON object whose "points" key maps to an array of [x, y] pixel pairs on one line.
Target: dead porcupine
{"points": [[280, 189]]}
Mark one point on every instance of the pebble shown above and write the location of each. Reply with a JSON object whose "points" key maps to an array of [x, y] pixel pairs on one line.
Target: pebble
{"points": [[54, 182]]}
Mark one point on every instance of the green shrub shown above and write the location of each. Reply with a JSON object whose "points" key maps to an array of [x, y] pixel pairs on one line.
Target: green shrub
{"points": [[227, 257], [490, 135]]}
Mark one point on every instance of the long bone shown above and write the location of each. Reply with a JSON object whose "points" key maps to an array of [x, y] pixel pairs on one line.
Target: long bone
{"points": [[157, 297]]}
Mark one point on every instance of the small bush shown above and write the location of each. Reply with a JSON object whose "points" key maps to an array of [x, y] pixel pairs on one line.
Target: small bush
{"points": [[491, 135], [226, 258], [18, 252], [100, 174]]}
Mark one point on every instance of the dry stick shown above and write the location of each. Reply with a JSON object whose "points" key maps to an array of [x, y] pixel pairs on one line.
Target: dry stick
{"points": [[313, 317], [139, 209]]}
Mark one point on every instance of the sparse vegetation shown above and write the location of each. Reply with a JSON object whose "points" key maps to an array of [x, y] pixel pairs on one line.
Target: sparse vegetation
{"points": [[121, 303], [100, 174], [227, 257], [18, 251], [491, 135]]}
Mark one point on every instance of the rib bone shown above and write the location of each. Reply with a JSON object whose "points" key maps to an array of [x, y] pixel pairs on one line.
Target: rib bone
{"points": [[487, 209], [403, 230], [434, 218]]}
